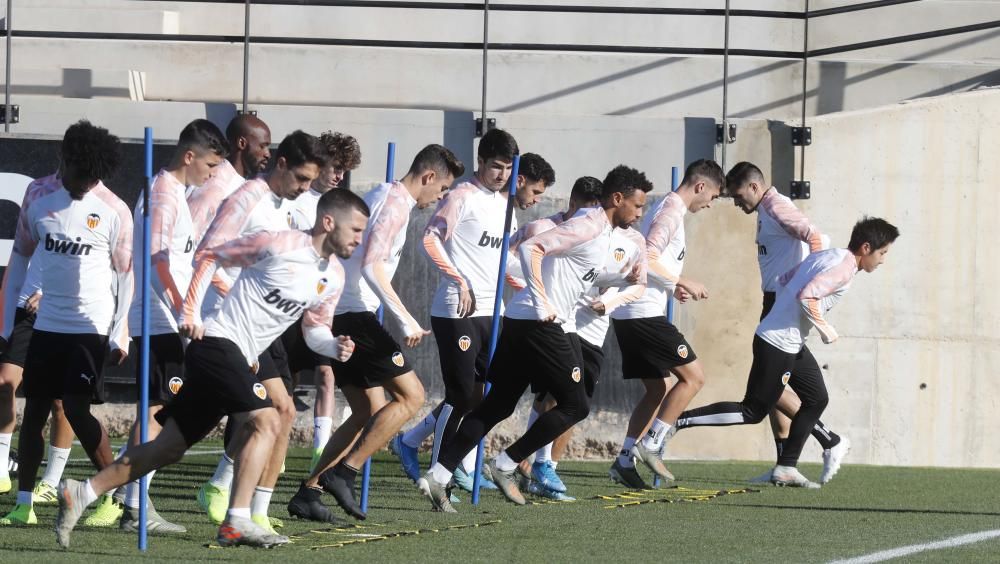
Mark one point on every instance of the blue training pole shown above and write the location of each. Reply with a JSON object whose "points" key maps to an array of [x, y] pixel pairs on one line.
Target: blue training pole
{"points": [[497, 301], [675, 181], [390, 165], [144, 347]]}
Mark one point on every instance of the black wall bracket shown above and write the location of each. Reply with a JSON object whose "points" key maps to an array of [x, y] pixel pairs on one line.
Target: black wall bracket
{"points": [[802, 136], [800, 190], [491, 123], [15, 114], [731, 138]]}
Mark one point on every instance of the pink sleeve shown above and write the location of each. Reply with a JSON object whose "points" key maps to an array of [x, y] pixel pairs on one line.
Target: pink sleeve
{"points": [[662, 230], [448, 213], [204, 204], [25, 238], [381, 235], [233, 214], [829, 281], [554, 241], [794, 222]]}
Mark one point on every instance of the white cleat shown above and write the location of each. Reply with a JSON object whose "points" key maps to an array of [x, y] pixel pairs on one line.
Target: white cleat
{"points": [[789, 476], [764, 478], [833, 458]]}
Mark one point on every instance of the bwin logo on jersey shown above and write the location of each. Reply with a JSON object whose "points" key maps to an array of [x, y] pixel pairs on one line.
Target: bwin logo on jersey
{"points": [[681, 256], [590, 276], [189, 246], [65, 247], [488, 241], [93, 220], [290, 307], [174, 385], [321, 285], [619, 254]]}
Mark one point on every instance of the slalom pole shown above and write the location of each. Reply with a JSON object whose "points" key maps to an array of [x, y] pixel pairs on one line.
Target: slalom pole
{"points": [[497, 302], [390, 165], [144, 346], [675, 181]]}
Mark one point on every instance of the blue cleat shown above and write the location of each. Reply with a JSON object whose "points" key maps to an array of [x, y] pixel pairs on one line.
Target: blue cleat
{"points": [[464, 481], [407, 457], [545, 474]]}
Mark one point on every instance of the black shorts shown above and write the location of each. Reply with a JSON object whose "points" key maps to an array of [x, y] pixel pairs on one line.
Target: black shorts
{"points": [[218, 382], [377, 357], [593, 361], [300, 356], [61, 364], [273, 363], [770, 372], [464, 349], [541, 353], [651, 347], [166, 366], [805, 363], [17, 346]]}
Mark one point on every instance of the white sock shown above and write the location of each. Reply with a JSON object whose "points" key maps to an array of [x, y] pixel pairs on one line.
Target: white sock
{"points": [[469, 462], [555, 464], [505, 463], [261, 500], [440, 474], [625, 456], [24, 498], [415, 436], [654, 437], [132, 491], [223, 477], [544, 454], [55, 465], [88, 494], [5, 439], [322, 426], [243, 512]]}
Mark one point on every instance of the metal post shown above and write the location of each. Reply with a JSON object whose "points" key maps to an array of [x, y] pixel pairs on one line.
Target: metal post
{"points": [[144, 342], [725, 89], [486, 48], [675, 181], [246, 53], [497, 302], [805, 76], [6, 86]]}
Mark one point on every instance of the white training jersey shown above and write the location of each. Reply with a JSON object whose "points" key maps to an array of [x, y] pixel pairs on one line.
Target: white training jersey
{"points": [[252, 208], [171, 252], [370, 269], [515, 277], [304, 210], [560, 265], [807, 292], [785, 237], [463, 240], [282, 278], [663, 229], [32, 283], [204, 201], [628, 252], [84, 253]]}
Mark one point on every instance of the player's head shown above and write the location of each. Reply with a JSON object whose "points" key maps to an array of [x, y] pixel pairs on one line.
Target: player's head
{"points": [[89, 154], [745, 183], [434, 170], [297, 163], [586, 193], [249, 144], [624, 189], [870, 241], [343, 155], [341, 215], [496, 153], [200, 148], [534, 175], [704, 181]]}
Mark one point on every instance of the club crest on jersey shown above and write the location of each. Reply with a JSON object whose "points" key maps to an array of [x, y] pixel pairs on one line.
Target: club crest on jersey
{"points": [[619, 254], [93, 220], [682, 351], [260, 391], [575, 375], [464, 342], [397, 359], [289, 218], [785, 378], [174, 385], [321, 285]]}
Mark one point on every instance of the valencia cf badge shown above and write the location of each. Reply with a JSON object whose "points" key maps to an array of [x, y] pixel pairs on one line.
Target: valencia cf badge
{"points": [[321, 285], [397, 359], [619, 254], [260, 391], [576, 374], [464, 342], [174, 385], [93, 220], [682, 351], [785, 378]]}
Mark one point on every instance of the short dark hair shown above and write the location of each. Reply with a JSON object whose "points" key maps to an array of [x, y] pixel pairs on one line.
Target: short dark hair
{"points": [[706, 169], [438, 158], [586, 189], [497, 144], [336, 202], [242, 125], [203, 136], [299, 148], [341, 148], [626, 180], [875, 231], [91, 152], [535, 168], [742, 173]]}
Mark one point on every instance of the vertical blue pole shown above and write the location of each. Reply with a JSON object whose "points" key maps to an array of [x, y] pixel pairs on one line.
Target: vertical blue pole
{"points": [[497, 302], [675, 181], [390, 166], [144, 347]]}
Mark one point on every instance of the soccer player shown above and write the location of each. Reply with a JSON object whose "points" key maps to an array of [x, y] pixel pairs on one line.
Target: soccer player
{"points": [[537, 346], [785, 237], [80, 235], [378, 362], [807, 294], [463, 240], [201, 148], [262, 203], [344, 155], [284, 275], [653, 349]]}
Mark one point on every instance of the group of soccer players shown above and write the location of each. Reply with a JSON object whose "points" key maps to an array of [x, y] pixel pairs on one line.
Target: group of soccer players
{"points": [[261, 267]]}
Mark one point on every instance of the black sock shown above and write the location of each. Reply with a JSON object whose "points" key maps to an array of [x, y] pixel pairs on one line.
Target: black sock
{"points": [[346, 472], [827, 438], [779, 446]]}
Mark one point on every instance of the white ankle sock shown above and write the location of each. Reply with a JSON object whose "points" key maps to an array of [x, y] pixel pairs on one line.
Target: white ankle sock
{"points": [[261, 500], [415, 436], [223, 477], [654, 437], [469, 462], [5, 439], [625, 456], [132, 491], [88, 494], [243, 512], [440, 474], [504, 462], [322, 427], [544, 454], [55, 465]]}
